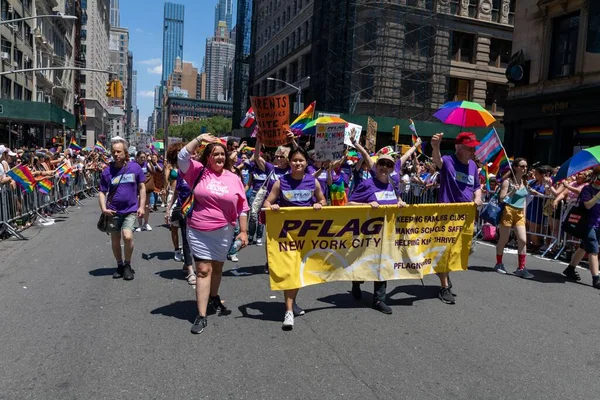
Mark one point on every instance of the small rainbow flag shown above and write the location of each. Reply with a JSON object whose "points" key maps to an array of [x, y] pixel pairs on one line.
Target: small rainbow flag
{"points": [[98, 147], [62, 169], [23, 177], [412, 126], [485, 175], [73, 144], [45, 186], [304, 118], [337, 192], [414, 143]]}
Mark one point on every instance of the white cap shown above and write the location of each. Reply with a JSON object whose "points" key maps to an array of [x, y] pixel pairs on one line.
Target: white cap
{"points": [[11, 153], [2, 149]]}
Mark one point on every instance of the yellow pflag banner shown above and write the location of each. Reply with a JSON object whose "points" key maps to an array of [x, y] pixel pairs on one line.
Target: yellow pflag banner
{"points": [[306, 247]]}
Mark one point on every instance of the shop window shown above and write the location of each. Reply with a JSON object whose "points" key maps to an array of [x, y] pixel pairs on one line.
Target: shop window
{"points": [[462, 46], [459, 89], [495, 96], [500, 53], [563, 51]]}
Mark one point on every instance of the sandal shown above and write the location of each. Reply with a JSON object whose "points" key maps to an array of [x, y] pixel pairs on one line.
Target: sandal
{"points": [[191, 278]]}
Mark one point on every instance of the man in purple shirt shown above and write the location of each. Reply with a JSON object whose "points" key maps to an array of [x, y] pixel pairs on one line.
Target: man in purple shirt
{"points": [[459, 183], [120, 185]]}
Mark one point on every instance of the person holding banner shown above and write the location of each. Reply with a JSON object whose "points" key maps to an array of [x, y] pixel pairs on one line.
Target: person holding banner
{"points": [[296, 189], [513, 193], [459, 183], [376, 191], [218, 201]]}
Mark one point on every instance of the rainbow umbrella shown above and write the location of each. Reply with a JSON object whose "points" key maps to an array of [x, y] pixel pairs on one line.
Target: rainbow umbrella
{"points": [[581, 161], [464, 114], [311, 127]]}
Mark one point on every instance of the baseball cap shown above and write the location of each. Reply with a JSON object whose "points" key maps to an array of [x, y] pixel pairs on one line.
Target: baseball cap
{"points": [[386, 157], [11, 153], [468, 139]]}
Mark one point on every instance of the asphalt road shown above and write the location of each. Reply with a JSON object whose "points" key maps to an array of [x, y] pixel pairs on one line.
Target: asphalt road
{"points": [[69, 331]]}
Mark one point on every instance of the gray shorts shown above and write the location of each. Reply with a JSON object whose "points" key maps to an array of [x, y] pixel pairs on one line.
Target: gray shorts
{"points": [[121, 222]]}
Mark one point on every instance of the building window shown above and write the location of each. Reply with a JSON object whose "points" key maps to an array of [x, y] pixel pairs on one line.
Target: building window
{"points": [[414, 87], [5, 50], [462, 46], [496, 10], [306, 63], [6, 90], [499, 53], [18, 58], [370, 35], [18, 92], [459, 89], [4, 5], [27, 95], [306, 37], [282, 76], [495, 96], [272, 85], [563, 51], [294, 71], [417, 39], [367, 83]]}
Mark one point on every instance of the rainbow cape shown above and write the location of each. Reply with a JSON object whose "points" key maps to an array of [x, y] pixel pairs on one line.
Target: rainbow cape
{"points": [[23, 177], [304, 118], [45, 186], [73, 144]]}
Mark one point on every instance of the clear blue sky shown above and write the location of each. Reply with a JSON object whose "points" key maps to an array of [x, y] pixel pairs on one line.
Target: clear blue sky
{"points": [[144, 19]]}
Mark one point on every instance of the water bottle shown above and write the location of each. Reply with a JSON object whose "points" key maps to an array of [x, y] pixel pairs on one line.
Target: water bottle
{"points": [[235, 247]]}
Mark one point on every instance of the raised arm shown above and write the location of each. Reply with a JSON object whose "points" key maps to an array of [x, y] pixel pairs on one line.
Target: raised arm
{"points": [[184, 156], [410, 151], [364, 153], [436, 155], [258, 159]]}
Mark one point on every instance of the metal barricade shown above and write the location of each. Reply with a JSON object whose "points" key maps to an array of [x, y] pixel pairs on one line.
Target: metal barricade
{"points": [[414, 193]]}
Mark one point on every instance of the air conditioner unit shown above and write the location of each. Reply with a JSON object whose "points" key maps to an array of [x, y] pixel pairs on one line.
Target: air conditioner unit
{"points": [[5, 55], [15, 64]]}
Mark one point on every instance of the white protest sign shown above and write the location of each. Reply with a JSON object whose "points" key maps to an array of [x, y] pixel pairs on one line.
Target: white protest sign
{"points": [[329, 142], [352, 131]]}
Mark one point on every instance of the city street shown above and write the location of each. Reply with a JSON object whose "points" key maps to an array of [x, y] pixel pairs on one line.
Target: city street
{"points": [[70, 331]]}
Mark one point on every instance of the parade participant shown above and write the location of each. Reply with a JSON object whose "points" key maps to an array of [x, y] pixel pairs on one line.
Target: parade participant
{"points": [[376, 191], [260, 170], [459, 183], [181, 191], [219, 200], [590, 197], [122, 196], [535, 211], [295, 189], [147, 169], [158, 177], [513, 193]]}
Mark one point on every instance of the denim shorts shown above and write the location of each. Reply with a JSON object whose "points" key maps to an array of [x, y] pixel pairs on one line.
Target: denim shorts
{"points": [[590, 243], [121, 222]]}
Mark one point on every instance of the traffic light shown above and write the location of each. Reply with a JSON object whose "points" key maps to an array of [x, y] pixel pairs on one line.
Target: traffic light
{"points": [[110, 90], [118, 89], [396, 132]]}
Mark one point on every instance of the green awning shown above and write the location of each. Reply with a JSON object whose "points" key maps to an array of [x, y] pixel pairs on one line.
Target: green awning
{"points": [[34, 112]]}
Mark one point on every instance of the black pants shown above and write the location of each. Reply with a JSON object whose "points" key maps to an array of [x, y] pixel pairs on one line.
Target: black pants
{"points": [[379, 290], [187, 252]]}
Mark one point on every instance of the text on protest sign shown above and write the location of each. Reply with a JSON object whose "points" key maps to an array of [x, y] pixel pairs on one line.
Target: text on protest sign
{"points": [[272, 115], [329, 142], [352, 131], [307, 247]]}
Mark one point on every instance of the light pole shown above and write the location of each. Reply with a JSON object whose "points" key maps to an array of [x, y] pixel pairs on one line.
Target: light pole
{"points": [[61, 16], [64, 135], [298, 90]]}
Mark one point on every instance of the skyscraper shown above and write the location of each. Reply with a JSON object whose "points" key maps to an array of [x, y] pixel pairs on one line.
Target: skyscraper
{"points": [[135, 119], [224, 12], [220, 51], [172, 38], [115, 15]]}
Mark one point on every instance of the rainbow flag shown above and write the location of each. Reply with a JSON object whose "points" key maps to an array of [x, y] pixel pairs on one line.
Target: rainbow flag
{"points": [[485, 175], [98, 147], [337, 191], [62, 169], [412, 127], [247, 148], [73, 144], [45, 186], [414, 143], [500, 163], [23, 177], [304, 118]]}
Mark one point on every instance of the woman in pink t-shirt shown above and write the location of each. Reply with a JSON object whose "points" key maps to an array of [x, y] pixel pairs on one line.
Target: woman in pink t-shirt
{"points": [[219, 200]]}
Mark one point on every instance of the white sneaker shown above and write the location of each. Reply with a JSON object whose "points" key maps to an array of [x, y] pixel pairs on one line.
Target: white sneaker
{"points": [[177, 256], [259, 242], [163, 205], [138, 229], [234, 258], [288, 321], [147, 227]]}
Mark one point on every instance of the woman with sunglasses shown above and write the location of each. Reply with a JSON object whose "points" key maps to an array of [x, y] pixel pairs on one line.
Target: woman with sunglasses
{"points": [[376, 191], [513, 194], [296, 189]]}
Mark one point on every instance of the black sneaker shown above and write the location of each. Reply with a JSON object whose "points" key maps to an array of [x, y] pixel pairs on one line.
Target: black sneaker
{"points": [[217, 305], [381, 306], [356, 292], [596, 284], [128, 272], [119, 272], [446, 296], [571, 274], [199, 324], [297, 310]]}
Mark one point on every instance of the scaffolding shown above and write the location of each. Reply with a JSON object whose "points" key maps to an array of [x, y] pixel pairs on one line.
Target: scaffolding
{"points": [[381, 58]]}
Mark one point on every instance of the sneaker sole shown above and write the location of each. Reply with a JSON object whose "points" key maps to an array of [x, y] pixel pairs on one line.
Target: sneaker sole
{"points": [[287, 327], [501, 271], [198, 332], [446, 301]]}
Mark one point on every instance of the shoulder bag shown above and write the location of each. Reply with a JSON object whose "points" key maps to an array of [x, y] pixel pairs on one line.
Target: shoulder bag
{"points": [[259, 199], [188, 205], [576, 220], [492, 212], [104, 219]]}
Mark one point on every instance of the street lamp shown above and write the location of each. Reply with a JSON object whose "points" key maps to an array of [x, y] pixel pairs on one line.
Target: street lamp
{"points": [[298, 90], [64, 134], [61, 16]]}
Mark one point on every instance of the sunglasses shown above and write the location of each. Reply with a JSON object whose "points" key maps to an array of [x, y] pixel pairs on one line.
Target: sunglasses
{"points": [[279, 156], [387, 164]]}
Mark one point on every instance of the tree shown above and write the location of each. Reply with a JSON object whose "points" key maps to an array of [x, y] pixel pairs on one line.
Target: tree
{"points": [[189, 130]]}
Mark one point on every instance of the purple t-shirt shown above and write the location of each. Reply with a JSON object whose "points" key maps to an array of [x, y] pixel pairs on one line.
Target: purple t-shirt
{"points": [[374, 190], [259, 176], [125, 199], [593, 213], [183, 189], [322, 178], [277, 173], [296, 193], [458, 182]]}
